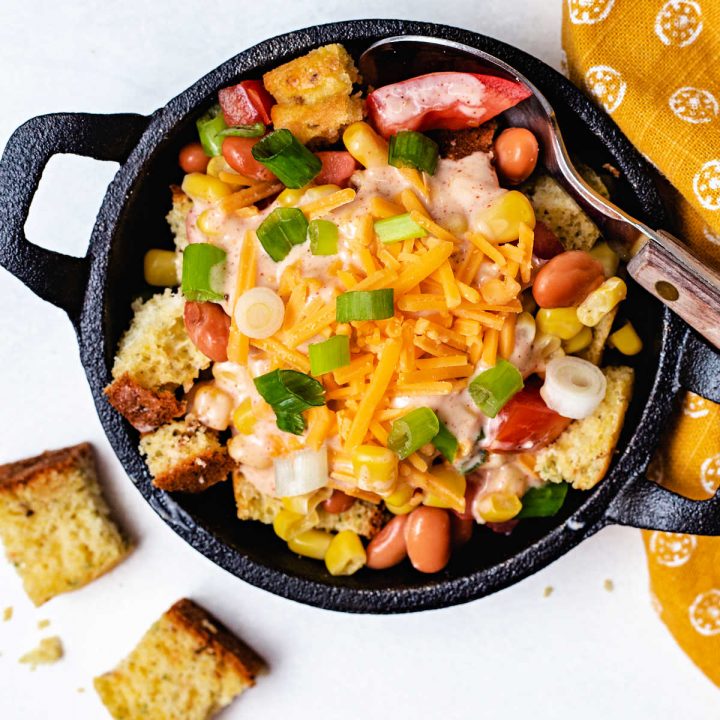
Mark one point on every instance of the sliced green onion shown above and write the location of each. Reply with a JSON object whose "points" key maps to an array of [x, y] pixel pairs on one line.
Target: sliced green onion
{"points": [[493, 388], [291, 422], [410, 432], [280, 230], [543, 501], [290, 393], [328, 355], [209, 127], [323, 236], [301, 472], [397, 228], [446, 443], [414, 150], [255, 130], [476, 461], [293, 164], [364, 305], [202, 272]]}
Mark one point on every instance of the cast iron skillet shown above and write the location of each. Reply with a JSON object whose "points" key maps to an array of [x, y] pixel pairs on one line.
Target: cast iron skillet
{"points": [[96, 292]]}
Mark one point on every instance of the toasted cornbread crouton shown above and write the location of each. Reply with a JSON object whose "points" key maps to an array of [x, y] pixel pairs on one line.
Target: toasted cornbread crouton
{"points": [[322, 122], [574, 229], [457, 144], [314, 77], [143, 408], [185, 456], [364, 518], [54, 522], [594, 352], [187, 666], [177, 218], [582, 454]]}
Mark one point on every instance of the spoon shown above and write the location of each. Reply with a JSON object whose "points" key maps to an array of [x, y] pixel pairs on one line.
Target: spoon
{"points": [[657, 260]]}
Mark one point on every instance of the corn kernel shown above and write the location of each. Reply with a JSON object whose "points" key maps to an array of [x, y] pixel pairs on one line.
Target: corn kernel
{"points": [[320, 191], [607, 257], [452, 483], [289, 197], [561, 322], [160, 268], [401, 501], [499, 292], [578, 342], [209, 221], [217, 165], [205, 187], [365, 145], [626, 340], [304, 504], [456, 223], [288, 524], [211, 406], [376, 468], [501, 220], [601, 301], [346, 554], [312, 543], [499, 507], [243, 417]]}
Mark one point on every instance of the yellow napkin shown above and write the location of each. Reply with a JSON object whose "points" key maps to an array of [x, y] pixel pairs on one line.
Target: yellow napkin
{"points": [[653, 66]]}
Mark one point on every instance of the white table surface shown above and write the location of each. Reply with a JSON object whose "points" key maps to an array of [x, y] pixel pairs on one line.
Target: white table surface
{"points": [[582, 652]]}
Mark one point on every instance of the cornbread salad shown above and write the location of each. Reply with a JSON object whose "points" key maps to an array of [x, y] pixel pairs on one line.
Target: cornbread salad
{"points": [[390, 322]]}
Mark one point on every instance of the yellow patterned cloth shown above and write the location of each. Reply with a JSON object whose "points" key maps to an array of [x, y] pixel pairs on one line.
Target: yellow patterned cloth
{"points": [[653, 65]]}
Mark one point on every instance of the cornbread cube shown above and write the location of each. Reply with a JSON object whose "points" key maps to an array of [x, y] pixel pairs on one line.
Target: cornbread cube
{"points": [[322, 122], [574, 229], [363, 517], [143, 408], [55, 524], [185, 456], [314, 77], [177, 219], [582, 454], [187, 666], [457, 144], [594, 352]]}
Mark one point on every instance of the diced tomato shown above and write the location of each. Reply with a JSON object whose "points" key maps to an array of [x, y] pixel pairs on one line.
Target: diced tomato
{"points": [[546, 244], [337, 167], [238, 153], [246, 103], [526, 423], [447, 100]]}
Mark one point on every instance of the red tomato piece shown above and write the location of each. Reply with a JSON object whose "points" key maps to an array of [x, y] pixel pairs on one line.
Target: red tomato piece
{"points": [[246, 103], [238, 153], [337, 167], [448, 100], [526, 423], [546, 244]]}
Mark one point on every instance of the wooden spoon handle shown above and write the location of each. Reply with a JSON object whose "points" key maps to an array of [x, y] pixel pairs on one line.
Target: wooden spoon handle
{"points": [[678, 279]]}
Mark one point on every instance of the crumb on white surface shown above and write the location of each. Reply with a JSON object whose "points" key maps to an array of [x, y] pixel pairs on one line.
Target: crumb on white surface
{"points": [[548, 591], [609, 585], [7, 614], [49, 651], [42, 624]]}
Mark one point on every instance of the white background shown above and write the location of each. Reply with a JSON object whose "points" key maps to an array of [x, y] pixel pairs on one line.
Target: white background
{"points": [[583, 652]]}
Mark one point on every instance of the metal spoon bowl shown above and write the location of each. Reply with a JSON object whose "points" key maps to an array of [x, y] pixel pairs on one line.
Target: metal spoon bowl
{"points": [[657, 260]]}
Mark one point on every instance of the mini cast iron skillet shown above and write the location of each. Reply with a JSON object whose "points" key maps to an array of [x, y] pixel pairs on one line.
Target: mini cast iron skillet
{"points": [[96, 292]]}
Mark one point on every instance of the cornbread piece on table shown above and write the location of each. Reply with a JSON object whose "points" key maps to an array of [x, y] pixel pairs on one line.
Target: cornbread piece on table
{"points": [[185, 456], [49, 651], [363, 517], [574, 229], [187, 666], [155, 356], [582, 454], [55, 524], [594, 352], [314, 95], [457, 144]]}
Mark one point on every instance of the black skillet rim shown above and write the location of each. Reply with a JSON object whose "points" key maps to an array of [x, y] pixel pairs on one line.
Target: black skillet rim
{"points": [[436, 592]]}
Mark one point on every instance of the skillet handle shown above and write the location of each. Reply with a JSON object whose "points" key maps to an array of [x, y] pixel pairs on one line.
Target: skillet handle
{"points": [[645, 504], [59, 279]]}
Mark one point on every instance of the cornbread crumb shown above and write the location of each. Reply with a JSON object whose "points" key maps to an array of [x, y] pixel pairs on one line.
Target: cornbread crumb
{"points": [[185, 456], [55, 524], [548, 591], [187, 665], [364, 518], [609, 585], [7, 614], [156, 351], [177, 219], [582, 453], [49, 651], [81, 689], [42, 624], [594, 352]]}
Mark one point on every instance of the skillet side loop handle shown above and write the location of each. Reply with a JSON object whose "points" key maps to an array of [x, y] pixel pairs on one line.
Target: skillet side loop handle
{"points": [[57, 278], [679, 280]]}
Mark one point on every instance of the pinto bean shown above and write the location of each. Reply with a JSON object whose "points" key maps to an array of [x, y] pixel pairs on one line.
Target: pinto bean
{"points": [[427, 535], [338, 502], [516, 154], [567, 279], [208, 327], [388, 547]]}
